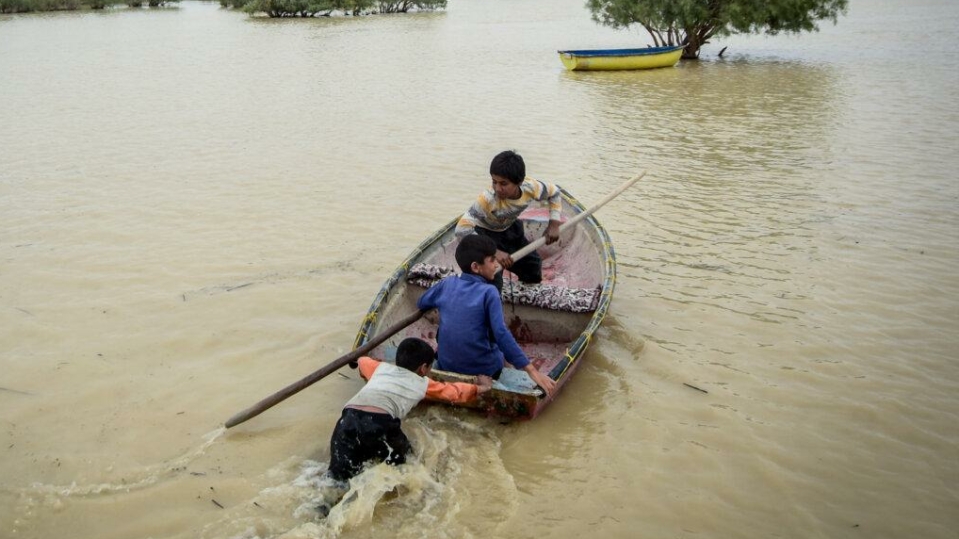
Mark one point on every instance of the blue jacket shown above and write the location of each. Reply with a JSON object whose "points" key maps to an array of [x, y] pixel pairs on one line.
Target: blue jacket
{"points": [[470, 311]]}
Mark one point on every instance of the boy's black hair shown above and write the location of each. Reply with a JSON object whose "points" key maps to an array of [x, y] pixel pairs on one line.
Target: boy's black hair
{"points": [[474, 248], [413, 353], [509, 165]]}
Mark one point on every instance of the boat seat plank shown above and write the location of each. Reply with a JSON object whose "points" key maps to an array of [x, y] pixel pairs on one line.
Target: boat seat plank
{"points": [[543, 296]]}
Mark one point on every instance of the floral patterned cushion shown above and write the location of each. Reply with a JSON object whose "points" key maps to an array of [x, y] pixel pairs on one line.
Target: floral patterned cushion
{"points": [[544, 296]]}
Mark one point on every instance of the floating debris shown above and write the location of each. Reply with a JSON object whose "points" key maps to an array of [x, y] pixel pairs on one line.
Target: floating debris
{"points": [[15, 391]]}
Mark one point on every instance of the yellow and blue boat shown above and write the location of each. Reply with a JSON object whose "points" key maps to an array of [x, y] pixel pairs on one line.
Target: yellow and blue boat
{"points": [[620, 59]]}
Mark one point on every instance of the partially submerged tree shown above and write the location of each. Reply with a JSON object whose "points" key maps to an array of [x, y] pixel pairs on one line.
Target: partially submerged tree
{"points": [[692, 22], [286, 8]]}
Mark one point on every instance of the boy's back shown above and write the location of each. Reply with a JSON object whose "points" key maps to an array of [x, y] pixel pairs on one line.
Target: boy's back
{"points": [[471, 326], [473, 337]]}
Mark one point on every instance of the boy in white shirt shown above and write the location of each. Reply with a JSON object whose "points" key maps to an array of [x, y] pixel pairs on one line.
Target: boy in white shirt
{"points": [[369, 429]]}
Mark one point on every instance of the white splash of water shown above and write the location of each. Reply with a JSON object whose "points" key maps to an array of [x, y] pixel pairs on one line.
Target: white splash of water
{"points": [[448, 488]]}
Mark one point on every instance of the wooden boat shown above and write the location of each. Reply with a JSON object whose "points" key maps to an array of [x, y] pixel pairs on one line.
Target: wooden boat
{"points": [[553, 322], [619, 59]]}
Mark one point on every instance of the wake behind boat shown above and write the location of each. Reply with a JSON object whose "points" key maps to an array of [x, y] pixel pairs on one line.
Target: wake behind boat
{"points": [[553, 322]]}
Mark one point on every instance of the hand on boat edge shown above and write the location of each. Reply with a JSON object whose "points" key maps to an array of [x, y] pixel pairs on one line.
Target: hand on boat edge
{"points": [[483, 384], [547, 384]]}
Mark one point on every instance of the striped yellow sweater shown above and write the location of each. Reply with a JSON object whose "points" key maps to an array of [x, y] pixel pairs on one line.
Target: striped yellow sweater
{"points": [[497, 214]]}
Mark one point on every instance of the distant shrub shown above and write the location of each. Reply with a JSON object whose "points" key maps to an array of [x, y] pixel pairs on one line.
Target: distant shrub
{"points": [[403, 6], [314, 8], [26, 6], [13, 6], [273, 8], [289, 8], [22, 6]]}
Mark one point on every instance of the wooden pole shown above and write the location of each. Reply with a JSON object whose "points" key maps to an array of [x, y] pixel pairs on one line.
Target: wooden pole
{"points": [[296, 387]]}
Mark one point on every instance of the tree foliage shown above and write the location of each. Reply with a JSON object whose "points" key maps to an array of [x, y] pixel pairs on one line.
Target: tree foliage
{"points": [[26, 6], [404, 6], [692, 22]]}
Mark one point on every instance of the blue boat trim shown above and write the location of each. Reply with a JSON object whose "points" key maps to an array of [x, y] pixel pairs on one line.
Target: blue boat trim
{"points": [[576, 349], [621, 52]]}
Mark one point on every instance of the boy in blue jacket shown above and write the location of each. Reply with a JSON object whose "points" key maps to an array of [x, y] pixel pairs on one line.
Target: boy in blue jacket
{"points": [[472, 336]]}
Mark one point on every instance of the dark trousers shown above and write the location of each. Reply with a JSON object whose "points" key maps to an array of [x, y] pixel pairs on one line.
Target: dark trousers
{"points": [[360, 437], [529, 269]]}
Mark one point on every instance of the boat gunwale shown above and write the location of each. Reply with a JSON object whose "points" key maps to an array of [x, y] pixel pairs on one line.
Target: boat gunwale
{"points": [[615, 53]]}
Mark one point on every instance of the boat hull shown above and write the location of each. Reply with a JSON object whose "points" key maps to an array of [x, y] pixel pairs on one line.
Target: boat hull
{"points": [[553, 339], [620, 59]]}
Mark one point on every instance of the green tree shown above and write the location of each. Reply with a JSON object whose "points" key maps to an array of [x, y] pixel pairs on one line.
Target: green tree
{"points": [[287, 8], [692, 22]]}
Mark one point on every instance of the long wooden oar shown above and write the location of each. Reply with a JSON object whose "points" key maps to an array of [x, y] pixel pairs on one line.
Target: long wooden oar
{"points": [[539, 242], [296, 387]]}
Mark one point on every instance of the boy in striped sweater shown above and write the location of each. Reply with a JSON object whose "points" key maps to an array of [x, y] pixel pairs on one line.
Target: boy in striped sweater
{"points": [[496, 214]]}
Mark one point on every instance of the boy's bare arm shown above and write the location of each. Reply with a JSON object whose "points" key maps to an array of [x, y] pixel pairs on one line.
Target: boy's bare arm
{"points": [[457, 392]]}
